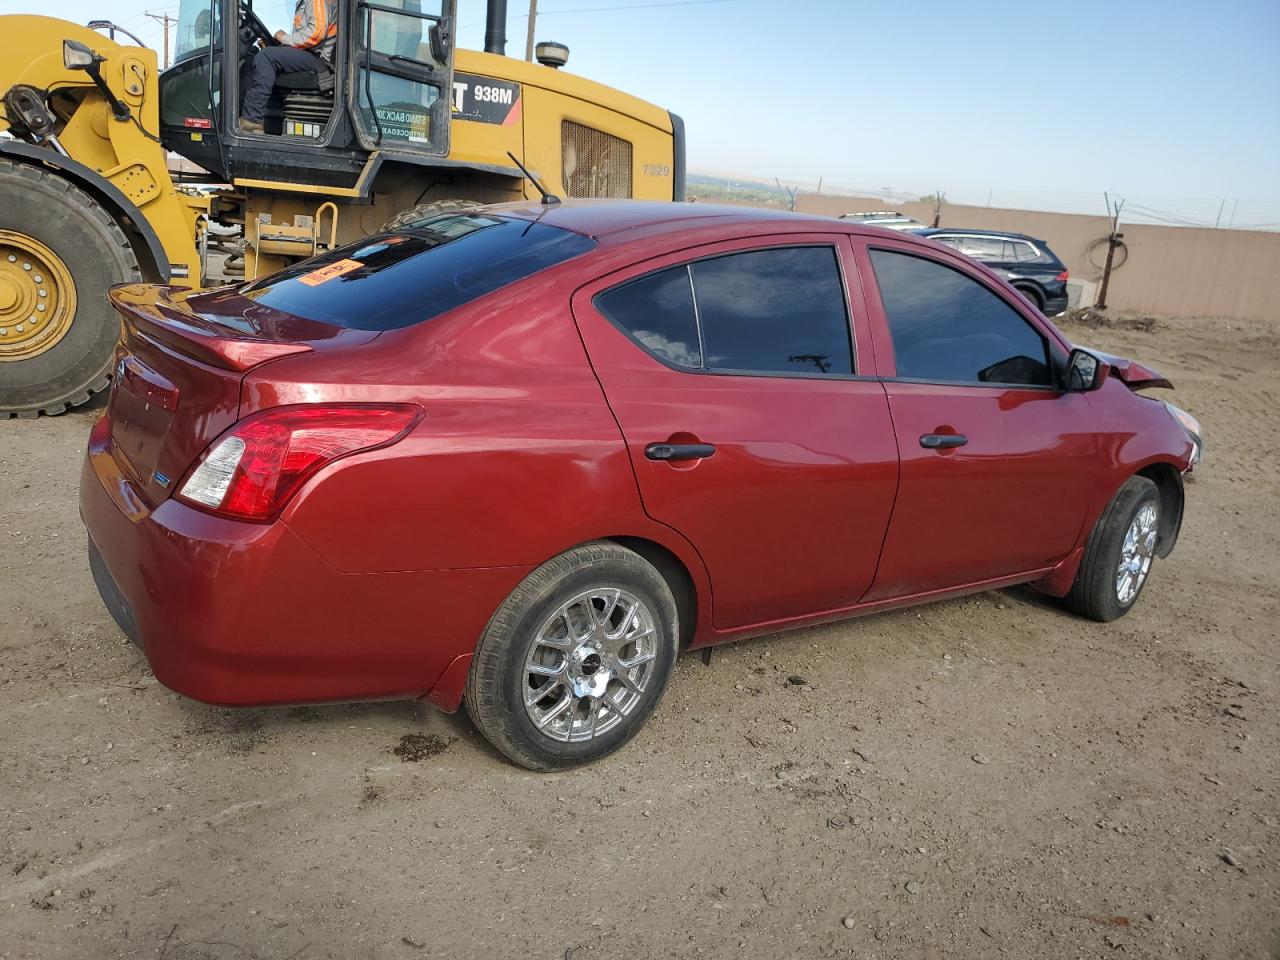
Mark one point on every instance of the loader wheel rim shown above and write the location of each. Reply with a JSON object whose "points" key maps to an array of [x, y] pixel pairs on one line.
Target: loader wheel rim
{"points": [[37, 297]]}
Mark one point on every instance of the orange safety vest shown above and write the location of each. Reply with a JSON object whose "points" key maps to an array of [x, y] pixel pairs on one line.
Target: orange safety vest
{"points": [[314, 22]]}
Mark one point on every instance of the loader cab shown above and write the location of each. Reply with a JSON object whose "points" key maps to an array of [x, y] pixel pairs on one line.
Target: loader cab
{"points": [[385, 95]]}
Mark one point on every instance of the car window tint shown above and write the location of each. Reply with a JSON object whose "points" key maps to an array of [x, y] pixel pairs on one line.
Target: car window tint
{"points": [[657, 311], [1024, 251], [982, 248], [946, 326], [780, 310], [417, 271]]}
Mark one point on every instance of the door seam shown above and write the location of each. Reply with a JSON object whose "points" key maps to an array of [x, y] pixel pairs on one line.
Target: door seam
{"points": [[635, 477], [897, 488]]}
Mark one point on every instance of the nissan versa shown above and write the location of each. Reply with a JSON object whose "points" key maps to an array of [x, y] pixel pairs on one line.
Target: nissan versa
{"points": [[521, 458]]}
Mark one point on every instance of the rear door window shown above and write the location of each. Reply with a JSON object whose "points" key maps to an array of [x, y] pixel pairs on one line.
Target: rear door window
{"points": [[417, 272], [948, 327], [657, 312], [775, 311], [982, 248]]}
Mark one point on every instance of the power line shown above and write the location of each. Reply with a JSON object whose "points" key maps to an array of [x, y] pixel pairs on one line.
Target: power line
{"points": [[628, 6], [165, 20], [638, 6]]}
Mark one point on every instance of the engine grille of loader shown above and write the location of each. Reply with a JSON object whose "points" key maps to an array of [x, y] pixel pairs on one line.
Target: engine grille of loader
{"points": [[596, 164]]}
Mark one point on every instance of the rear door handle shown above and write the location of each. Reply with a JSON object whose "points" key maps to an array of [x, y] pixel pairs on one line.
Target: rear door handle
{"points": [[936, 441], [679, 451]]}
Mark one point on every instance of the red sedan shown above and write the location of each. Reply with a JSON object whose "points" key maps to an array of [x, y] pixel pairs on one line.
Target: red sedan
{"points": [[522, 458]]}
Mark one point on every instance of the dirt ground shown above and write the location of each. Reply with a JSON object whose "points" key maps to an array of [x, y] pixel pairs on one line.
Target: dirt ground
{"points": [[985, 777]]}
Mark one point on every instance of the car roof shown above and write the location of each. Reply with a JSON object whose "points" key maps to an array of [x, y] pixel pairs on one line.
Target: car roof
{"points": [[617, 222], [1000, 234], [879, 217], [605, 218]]}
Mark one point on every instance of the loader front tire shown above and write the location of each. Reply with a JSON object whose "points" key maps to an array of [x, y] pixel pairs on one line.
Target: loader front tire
{"points": [[60, 250], [434, 209]]}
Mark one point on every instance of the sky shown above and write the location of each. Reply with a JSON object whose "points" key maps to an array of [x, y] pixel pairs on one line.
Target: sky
{"points": [[1174, 105]]}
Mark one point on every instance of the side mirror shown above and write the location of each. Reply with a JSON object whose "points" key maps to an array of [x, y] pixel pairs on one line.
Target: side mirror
{"points": [[439, 41], [1085, 371], [76, 56]]}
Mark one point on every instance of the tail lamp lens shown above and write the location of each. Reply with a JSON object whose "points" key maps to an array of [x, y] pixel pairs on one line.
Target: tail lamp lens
{"points": [[1064, 276], [252, 471]]}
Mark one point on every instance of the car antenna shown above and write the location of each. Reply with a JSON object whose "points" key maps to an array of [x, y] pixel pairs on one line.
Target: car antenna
{"points": [[547, 196]]}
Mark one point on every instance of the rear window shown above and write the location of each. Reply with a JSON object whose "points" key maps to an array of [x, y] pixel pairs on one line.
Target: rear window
{"points": [[416, 272], [774, 311]]}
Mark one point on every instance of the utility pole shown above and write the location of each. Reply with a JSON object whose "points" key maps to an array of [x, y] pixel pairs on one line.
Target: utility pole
{"points": [[166, 20], [1113, 240], [533, 20]]}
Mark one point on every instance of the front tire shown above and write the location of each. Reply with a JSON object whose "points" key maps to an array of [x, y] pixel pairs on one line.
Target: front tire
{"points": [[576, 659], [1119, 553], [434, 209], [59, 252]]}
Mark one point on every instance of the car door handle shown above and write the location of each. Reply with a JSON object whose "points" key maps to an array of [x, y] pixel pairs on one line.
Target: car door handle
{"points": [[679, 451], [938, 441]]}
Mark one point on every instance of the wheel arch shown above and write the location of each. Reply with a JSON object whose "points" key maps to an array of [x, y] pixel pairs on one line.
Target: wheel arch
{"points": [[1168, 481], [1032, 291], [146, 245], [673, 570], [691, 595]]}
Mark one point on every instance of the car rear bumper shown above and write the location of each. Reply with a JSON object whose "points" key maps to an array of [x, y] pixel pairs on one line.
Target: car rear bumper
{"points": [[242, 614], [1055, 304]]}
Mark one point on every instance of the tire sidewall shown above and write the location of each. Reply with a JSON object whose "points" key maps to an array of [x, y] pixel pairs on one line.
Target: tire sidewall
{"points": [[71, 224], [649, 587], [1112, 547], [434, 209], [1032, 294]]}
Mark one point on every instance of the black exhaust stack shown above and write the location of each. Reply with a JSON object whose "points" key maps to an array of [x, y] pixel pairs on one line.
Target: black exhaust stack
{"points": [[495, 28]]}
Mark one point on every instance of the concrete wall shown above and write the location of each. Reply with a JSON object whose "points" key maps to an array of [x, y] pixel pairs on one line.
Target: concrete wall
{"points": [[1171, 271]]}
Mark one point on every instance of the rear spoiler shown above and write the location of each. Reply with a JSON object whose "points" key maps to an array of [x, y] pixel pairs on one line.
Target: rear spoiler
{"points": [[153, 314]]}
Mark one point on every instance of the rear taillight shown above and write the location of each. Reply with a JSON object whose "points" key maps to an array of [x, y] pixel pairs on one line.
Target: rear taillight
{"points": [[252, 470], [1063, 277]]}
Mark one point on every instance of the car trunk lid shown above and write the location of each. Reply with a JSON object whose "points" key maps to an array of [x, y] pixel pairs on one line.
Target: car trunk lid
{"points": [[179, 367]]}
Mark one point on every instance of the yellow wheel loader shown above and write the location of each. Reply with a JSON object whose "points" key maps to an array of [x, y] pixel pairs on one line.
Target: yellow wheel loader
{"points": [[398, 126]]}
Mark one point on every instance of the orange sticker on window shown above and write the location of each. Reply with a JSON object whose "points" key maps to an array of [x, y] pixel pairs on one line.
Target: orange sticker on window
{"points": [[328, 272]]}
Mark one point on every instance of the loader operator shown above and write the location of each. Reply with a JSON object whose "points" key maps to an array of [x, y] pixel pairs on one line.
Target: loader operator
{"points": [[315, 31]]}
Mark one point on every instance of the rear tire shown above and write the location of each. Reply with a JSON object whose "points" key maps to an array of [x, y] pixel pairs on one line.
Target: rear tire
{"points": [[600, 674], [434, 209], [43, 207], [1032, 294], [1103, 589]]}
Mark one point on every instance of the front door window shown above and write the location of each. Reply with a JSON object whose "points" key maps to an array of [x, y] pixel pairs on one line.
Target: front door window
{"points": [[948, 328]]}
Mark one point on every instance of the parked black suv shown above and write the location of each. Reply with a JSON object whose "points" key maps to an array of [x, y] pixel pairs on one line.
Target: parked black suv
{"points": [[1024, 261]]}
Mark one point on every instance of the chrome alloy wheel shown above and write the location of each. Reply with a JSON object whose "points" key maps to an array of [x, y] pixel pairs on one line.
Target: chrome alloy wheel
{"points": [[1136, 552], [589, 664]]}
